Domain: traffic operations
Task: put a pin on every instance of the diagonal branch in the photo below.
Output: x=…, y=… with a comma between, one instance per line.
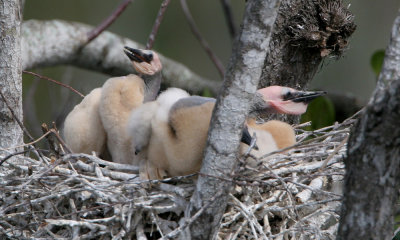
x=107, y=22
x=54, y=81
x=157, y=23
x=240, y=84
x=105, y=54
x=218, y=64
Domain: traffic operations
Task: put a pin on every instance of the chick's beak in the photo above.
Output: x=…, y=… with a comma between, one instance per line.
x=302, y=96
x=246, y=137
x=137, y=55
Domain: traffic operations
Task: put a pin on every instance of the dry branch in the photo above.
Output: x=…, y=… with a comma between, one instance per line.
x=63, y=42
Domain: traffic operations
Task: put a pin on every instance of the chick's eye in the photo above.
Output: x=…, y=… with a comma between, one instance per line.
x=287, y=95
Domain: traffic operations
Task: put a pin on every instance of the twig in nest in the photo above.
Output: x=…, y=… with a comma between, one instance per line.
x=157, y=24
x=11, y=155
x=342, y=143
x=51, y=138
x=27, y=144
x=107, y=22
x=54, y=81
x=218, y=64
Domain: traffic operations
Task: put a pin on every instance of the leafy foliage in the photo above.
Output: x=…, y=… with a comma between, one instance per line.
x=320, y=112
x=377, y=61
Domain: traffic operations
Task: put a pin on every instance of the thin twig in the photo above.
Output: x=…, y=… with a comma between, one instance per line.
x=54, y=148
x=11, y=155
x=108, y=21
x=218, y=64
x=342, y=143
x=26, y=144
x=38, y=153
x=54, y=81
x=15, y=116
x=157, y=23
x=60, y=140
x=226, y=6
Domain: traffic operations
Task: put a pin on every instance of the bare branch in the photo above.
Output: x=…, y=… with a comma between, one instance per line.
x=54, y=81
x=105, y=54
x=157, y=23
x=107, y=22
x=240, y=84
x=226, y=6
x=218, y=64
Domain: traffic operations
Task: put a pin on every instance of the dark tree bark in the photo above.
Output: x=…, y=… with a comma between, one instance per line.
x=305, y=32
x=373, y=161
x=10, y=73
x=240, y=84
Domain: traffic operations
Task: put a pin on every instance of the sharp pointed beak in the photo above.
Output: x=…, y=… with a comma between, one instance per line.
x=246, y=138
x=137, y=55
x=302, y=96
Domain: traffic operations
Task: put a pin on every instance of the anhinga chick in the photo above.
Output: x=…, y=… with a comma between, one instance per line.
x=100, y=118
x=121, y=95
x=172, y=131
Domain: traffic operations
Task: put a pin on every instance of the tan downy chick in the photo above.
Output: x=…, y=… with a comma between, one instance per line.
x=121, y=95
x=83, y=128
x=83, y=131
x=176, y=144
x=147, y=126
x=282, y=133
x=271, y=136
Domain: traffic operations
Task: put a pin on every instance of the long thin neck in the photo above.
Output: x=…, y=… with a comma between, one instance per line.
x=153, y=83
x=259, y=108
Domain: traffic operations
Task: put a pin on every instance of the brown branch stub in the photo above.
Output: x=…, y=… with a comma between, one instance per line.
x=218, y=64
x=157, y=23
x=107, y=22
x=51, y=139
x=54, y=81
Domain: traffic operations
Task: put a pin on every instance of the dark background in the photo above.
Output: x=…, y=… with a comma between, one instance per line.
x=45, y=102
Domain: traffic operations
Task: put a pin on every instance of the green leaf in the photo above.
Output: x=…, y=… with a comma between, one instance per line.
x=320, y=112
x=377, y=61
x=397, y=237
x=207, y=93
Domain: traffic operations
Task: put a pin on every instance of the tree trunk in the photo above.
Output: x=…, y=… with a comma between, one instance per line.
x=373, y=158
x=305, y=32
x=240, y=84
x=10, y=73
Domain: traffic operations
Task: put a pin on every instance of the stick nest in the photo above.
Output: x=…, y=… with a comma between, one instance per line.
x=292, y=194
